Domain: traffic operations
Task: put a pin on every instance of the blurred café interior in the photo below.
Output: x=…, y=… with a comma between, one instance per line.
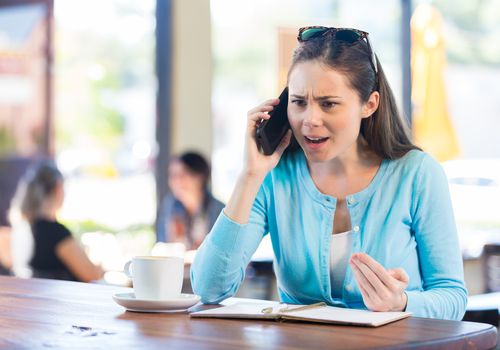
x=111, y=90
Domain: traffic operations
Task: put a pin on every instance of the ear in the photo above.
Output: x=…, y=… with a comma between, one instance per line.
x=371, y=105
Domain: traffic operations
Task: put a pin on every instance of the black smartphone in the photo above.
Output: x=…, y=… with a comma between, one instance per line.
x=271, y=131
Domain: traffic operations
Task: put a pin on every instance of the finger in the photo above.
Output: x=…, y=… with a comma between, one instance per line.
x=258, y=116
x=255, y=120
x=399, y=274
x=364, y=283
x=379, y=287
x=265, y=106
x=375, y=266
x=364, y=294
x=285, y=142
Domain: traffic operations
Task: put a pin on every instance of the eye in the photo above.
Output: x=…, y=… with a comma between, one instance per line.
x=298, y=102
x=328, y=104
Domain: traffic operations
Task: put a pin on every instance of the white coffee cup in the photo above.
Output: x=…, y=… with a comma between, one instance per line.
x=156, y=277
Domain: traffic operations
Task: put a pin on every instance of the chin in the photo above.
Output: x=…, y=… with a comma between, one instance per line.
x=317, y=158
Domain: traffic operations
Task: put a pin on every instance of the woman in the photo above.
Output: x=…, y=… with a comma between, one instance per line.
x=56, y=254
x=357, y=214
x=189, y=211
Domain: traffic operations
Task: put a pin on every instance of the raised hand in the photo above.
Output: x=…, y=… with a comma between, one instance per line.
x=255, y=163
x=382, y=290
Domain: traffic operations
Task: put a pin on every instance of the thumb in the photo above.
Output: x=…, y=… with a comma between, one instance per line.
x=285, y=141
x=399, y=274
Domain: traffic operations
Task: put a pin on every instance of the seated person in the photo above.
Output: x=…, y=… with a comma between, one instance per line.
x=56, y=254
x=11, y=169
x=358, y=215
x=189, y=211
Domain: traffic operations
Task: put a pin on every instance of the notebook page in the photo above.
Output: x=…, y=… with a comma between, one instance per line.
x=331, y=314
x=241, y=310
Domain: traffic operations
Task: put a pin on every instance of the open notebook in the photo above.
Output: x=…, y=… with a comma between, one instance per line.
x=310, y=313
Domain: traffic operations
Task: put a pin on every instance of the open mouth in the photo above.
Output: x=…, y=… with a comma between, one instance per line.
x=315, y=140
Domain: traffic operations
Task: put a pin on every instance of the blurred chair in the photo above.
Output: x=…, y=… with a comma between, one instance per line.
x=260, y=280
x=261, y=274
x=486, y=307
x=491, y=267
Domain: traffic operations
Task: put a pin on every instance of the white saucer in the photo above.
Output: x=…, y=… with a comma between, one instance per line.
x=131, y=303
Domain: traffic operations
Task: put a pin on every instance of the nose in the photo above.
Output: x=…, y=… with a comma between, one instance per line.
x=312, y=118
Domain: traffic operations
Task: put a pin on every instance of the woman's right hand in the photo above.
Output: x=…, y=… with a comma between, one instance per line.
x=255, y=163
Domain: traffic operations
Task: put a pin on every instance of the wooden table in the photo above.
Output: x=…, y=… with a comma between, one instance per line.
x=46, y=314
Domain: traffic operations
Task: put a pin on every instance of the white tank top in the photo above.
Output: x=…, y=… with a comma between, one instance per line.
x=340, y=252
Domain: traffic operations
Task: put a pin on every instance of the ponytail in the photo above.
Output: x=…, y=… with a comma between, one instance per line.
x=35, y=187
x=386, y=132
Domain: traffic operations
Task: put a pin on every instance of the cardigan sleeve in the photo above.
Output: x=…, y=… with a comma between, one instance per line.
x=444, y=294
x=220, y=263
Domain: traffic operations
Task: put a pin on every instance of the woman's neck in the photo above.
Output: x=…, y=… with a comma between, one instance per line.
x=358, y=156
x=48, y=212
x=348, y=173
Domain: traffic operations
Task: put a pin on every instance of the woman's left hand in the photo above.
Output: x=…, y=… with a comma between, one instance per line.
x=382, y=290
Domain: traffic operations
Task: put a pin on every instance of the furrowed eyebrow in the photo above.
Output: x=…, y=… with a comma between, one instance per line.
x=316, y=98
x=326, y=97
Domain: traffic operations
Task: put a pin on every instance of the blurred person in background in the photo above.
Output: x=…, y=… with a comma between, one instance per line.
x=189, y=211
x=12, y=167
x=55, y=253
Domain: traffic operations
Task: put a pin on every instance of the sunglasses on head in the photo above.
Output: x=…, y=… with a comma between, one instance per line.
x=346, y=35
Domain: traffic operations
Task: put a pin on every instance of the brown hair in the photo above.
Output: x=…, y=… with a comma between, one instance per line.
x=196, y=164
x=38, y=183
x=385, y=131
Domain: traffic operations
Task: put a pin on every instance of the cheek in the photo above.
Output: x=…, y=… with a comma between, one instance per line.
x=295, y=122
x=296, y=117
x=334, y=123
x=61, y=197
x=176, y=184
x=347, y=120
x=171, y=182
x=338, y=124
x=192, y=183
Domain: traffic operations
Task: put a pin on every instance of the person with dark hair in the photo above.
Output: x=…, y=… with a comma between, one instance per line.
x=358, y=215
x=56, y=254
x=189, y=211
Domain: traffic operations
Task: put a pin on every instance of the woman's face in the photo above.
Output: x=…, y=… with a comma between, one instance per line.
x=182, y=183
x=325, y=113
x=58, y=195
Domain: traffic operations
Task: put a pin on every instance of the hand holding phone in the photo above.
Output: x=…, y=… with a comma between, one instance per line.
x=271, y=131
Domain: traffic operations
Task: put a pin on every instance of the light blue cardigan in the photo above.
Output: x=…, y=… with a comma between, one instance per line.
x=404, y=218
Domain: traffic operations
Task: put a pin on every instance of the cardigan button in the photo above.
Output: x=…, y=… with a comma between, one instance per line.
x=356, y=228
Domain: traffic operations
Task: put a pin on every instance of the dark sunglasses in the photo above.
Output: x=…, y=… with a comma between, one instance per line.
x=347, y=35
